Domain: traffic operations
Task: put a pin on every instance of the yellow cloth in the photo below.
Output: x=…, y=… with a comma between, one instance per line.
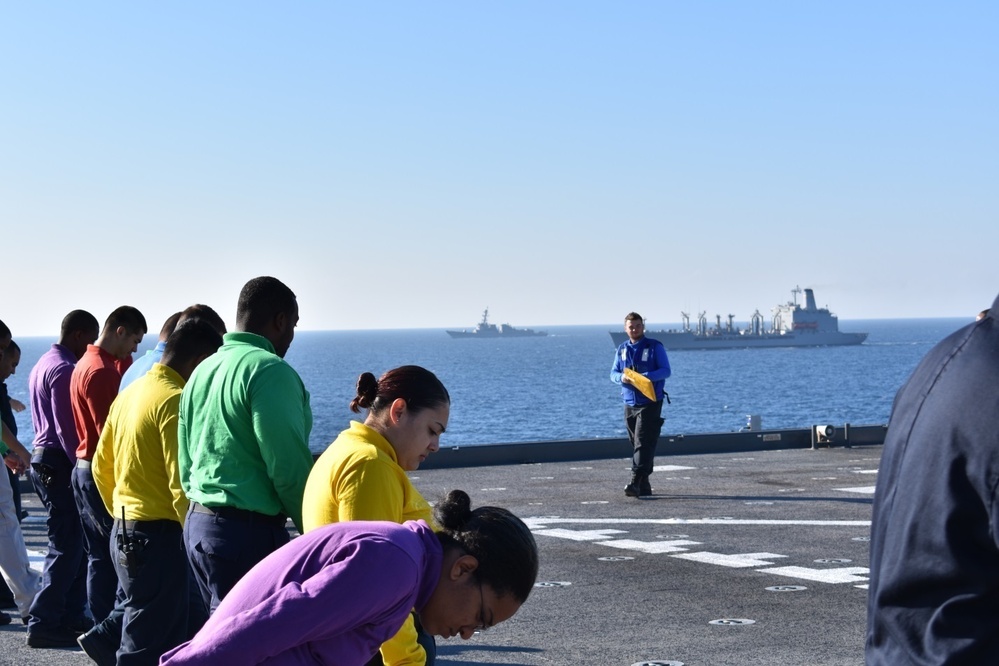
x=135, y=462
x=358, y=477
x=641, y=382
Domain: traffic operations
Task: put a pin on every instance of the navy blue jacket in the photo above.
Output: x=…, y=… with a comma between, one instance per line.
x=646, y=357
x=933, y=596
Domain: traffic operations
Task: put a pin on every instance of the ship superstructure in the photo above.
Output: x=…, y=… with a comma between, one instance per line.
x=790, y=325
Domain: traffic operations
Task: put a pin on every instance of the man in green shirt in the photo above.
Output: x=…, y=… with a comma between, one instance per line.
x=243, y=442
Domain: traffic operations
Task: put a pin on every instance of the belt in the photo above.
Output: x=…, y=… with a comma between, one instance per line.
x=242, y=515
x=82, y=463
x=132, y=524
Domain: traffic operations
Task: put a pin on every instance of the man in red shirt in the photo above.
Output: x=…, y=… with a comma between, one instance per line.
x=93, y=388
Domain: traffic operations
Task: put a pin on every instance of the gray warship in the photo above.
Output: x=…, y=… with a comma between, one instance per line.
x=486, y=330
x=791, y=325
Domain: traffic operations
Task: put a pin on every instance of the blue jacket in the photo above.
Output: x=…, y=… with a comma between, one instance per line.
x=934, y=552
x=646, y=357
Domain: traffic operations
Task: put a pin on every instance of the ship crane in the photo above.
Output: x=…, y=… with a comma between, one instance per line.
x=686, y=321
x=730, y=318
x=702, y=323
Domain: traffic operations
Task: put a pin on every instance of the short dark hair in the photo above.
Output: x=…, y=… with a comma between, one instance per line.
x=126, y=316
x=79, y=320
x=12, y=347
x=191, y=339
x=4, y=331
x=499, y=540
x=419, y=387
x=634, y=315
x=202, y=311
x=262, y=299
x=169, y=325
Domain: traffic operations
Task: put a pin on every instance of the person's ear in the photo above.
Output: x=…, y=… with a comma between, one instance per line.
x=396, y=410
x=280, y=321
x=463, y=566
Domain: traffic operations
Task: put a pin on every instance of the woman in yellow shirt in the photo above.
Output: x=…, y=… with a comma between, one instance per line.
x=362, y=474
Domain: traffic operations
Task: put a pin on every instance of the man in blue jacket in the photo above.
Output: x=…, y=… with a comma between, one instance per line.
x=933, y=598
x=642, y=413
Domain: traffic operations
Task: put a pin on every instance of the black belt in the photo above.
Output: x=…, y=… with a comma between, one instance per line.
x=242, y=515
x=132, y=524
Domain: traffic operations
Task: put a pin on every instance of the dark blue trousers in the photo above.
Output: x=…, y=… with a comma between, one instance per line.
x=62, y=599
x=148, y=596
x=154, y=577
x=103, y=592
x=644, y=423
x=221, y=548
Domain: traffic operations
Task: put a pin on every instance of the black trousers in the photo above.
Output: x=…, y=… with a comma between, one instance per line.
x=644, y=422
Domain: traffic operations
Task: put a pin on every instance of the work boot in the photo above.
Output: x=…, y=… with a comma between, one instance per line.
x=632, y=489
x=644, y=487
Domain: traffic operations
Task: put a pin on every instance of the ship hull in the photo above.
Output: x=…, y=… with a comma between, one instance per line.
x=493, y=336
x=689, y=340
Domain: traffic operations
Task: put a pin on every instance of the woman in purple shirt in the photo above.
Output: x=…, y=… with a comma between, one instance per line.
x=335, y=594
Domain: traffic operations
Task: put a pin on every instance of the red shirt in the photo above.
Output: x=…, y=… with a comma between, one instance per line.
x=92, y=389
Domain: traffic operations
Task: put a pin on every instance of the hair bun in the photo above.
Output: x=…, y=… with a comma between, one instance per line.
x=454, y=510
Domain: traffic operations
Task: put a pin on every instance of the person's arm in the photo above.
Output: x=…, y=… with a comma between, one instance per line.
x=103, y=466
x=282, y=419
x=16, y=457
x=662, y=370
x=17, y=405
x=101, y=391
x=617, y=368
x=168, y=436
x=62, y=411
x=366, y=583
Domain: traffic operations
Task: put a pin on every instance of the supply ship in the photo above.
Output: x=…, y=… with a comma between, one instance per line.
x=486, y=330
x=791, y=325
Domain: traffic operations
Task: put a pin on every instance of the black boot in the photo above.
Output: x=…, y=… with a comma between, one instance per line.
x=644, y=487
x=633, y=489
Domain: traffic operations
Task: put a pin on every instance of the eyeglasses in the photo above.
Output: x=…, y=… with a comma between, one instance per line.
x=482, y=627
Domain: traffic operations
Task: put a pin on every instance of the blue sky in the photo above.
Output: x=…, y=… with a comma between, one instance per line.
x=404, y=165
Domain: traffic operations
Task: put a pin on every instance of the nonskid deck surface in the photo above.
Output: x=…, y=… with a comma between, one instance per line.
x=755, y=558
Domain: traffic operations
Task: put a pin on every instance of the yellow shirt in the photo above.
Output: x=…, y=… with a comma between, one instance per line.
x=358, y=477
x=135, y=464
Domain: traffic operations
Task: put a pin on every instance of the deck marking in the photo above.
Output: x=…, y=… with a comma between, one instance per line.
x=578, y=535
x=36, y=558
x=736, y=560
x=670, y=468
x=542, y=521
x=651, y=547
x=833, y=576
x=864, y=490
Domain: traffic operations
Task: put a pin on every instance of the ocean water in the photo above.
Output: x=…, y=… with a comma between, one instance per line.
x=558, y=387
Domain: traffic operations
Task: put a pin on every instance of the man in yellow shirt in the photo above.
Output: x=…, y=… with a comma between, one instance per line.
x=135, y=469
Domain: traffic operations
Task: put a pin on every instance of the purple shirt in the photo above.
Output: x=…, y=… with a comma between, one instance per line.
x=331, y=596
x=51, y=412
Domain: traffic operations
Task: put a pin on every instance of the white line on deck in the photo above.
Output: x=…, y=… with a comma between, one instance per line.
x=541, y=522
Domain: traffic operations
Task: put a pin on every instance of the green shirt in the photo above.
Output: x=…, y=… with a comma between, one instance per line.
x=243, y=435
